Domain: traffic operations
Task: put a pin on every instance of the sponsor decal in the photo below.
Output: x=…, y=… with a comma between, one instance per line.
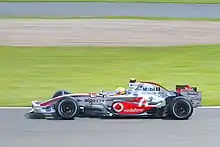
x=133, y=110
x=93, y=100
x=151, y=88
x=118, y=107
x=143, y=102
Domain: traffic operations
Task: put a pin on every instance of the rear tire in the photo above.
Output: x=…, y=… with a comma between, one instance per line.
x=180, y=108
x=67, y=108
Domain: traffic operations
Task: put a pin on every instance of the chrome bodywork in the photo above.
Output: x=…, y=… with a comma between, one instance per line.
x=101, y=102
x=161, y=92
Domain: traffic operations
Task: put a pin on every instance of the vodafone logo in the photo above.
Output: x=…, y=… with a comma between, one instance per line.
x=118, y=107
x=133, y=110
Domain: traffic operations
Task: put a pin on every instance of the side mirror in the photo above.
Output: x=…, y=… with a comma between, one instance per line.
x=102, y=91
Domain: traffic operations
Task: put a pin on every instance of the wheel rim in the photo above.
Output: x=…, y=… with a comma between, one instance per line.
x=182, y=109
x=67, y=109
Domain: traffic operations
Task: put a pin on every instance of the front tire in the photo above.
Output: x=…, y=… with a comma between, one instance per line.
x=180, y=108
x=67, y=108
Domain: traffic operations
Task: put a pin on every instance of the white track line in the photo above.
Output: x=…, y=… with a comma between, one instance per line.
x=205, y=107
x=15, y=107
x=210, y=107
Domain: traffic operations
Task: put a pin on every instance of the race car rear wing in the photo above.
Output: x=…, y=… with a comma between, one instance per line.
x=180, y=87
x=192, y=93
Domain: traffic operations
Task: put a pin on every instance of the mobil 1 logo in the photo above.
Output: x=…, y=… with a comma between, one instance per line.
x=151, y=88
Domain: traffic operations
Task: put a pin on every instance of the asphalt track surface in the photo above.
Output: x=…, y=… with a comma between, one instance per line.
x=201, y=130
x=60, y=9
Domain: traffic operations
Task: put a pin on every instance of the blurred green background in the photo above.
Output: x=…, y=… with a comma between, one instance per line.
x=34, y=73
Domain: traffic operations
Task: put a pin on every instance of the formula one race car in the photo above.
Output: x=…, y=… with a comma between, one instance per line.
x=141, y=99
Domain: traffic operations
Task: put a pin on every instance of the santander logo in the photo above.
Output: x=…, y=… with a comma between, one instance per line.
x=118, y=107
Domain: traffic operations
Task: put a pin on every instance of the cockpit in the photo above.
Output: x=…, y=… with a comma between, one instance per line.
x=145, y=87
x=136, y=87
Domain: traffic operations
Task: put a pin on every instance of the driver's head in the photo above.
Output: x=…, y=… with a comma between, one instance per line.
x=120, y=91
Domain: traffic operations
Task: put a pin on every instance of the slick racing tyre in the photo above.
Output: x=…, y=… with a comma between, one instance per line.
x=67, y=108
x=180, y=108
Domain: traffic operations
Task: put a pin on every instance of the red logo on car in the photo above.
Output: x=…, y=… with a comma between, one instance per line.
x=118, y=107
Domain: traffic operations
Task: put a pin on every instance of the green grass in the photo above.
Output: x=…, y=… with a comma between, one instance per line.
x=32, y=73
x=115, y=17
x=122, y=1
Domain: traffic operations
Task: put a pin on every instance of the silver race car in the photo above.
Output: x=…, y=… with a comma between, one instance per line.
x=140, y=99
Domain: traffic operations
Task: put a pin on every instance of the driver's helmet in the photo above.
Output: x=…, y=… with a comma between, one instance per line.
x=120, y=91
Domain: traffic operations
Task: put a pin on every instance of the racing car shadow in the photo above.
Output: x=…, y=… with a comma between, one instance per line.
x=99, y=117
x=128, y=117
x=105, y=118
x=115, y=117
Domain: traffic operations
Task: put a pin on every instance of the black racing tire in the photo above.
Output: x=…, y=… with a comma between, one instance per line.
x=180, y=108
x=67, y=108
